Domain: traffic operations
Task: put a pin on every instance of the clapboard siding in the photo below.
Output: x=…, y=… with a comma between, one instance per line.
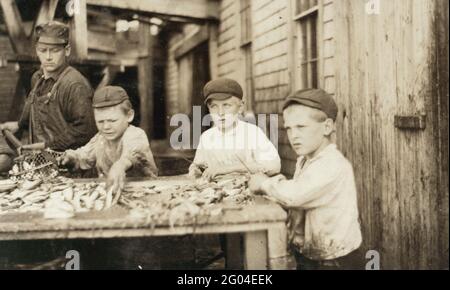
x=271, y=65
x=376, y=67
x=228, y=39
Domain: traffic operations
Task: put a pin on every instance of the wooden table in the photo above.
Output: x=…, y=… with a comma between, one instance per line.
x=261, y=224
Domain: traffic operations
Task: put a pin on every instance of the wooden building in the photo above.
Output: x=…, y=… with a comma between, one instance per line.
x=384, y=61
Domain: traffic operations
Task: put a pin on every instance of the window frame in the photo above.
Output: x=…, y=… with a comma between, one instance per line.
x=296, y=47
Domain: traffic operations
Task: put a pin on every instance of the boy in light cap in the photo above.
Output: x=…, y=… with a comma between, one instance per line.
x=231, y=145
x=118, y=149
x=321, y=198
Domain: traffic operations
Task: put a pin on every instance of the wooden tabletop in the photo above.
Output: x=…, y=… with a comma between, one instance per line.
x=116, y=221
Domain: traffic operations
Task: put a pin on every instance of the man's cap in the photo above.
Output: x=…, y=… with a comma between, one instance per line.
x=221, y=89
x=314, y=98
x=53, y=32
x=109, y=96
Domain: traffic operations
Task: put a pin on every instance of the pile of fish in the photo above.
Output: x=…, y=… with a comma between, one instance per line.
x=61, y=198
x=179, y=204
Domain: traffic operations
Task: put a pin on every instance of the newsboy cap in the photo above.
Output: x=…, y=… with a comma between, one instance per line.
x=314, y=98
x=53, y=32
x=109, y=96
x=221, y=89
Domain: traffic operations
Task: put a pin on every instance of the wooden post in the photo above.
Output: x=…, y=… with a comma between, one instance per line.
x=46, y=12
x=233, y=251
x=79, y=31
x=213, y=30
x=109, y=73
x=255, y=250
x=15, y=28
x=278, y=256
x=145, y=78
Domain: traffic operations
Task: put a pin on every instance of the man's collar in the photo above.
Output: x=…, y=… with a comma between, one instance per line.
x=55, y=75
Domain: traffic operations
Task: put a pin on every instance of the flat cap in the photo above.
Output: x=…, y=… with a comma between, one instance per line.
x=109, y=96
x=221, y=89
x=53, y=32
x=314, y=98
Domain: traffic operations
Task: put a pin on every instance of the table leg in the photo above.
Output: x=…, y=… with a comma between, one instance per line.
x=255, y=250
x=278, y=256
x=233, y=251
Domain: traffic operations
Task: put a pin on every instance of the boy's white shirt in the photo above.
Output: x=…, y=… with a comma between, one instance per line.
x=322, y=203
x=245, y=142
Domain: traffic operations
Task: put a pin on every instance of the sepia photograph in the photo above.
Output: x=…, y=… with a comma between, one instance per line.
x=224, y=135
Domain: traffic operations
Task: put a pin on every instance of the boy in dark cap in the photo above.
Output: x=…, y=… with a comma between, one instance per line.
x=119, y=148
x=231, y=145
x=58, y=110
x=321, y=198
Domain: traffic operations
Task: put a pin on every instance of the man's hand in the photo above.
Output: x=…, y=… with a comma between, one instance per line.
x=255, y=182
x=10, y=126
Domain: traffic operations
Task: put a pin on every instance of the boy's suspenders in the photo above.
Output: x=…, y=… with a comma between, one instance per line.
x=52, y=95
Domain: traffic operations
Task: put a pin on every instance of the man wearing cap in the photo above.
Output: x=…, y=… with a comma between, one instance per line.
x=118, y=149
x=58, y=110
x=321, y=198
x=231, y=145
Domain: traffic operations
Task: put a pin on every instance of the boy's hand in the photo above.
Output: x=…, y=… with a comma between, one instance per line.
x=255, y=182
x=67, y=159
x=196, y=171
x=211, y=172
x=115, y=181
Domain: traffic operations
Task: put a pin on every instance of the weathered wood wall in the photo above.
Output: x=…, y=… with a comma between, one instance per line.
x=8, y=80
x=384, y=67
x=376, y=66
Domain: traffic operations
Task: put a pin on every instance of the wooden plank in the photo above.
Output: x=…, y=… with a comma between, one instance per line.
x=15, y=27
x=145, y=79
x=234, y=258
x=442, y=107
x=213, y=49
x=79, y=30
x=198, y=9
x=135, y=231
x=277, y=247
x=190, y=43
x=255, y=250
x=46, y=12
x=102, y=41
x=109, y=73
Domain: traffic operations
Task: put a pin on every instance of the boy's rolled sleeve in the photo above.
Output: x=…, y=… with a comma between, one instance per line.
x=84, y=157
